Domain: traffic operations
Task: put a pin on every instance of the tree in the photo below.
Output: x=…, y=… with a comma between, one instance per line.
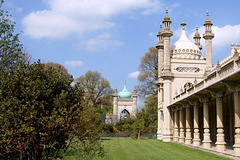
x=138, y=127
x=10, y=46
x=62, y=69
x=41, y=113
x=148, y=73
x=97, y=89
x=149, y=114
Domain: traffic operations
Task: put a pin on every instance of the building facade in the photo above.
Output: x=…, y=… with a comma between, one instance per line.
x=124, y=102
x=198, y=103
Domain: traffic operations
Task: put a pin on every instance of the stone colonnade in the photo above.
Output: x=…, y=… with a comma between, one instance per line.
x=200, y=128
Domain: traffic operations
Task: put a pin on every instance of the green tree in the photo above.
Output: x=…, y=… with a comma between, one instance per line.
x=97, y=89
x=62, y=69
x=149, y=114
x=40, y=113
x=138, y=127
x=10, y=46
x=148, y=73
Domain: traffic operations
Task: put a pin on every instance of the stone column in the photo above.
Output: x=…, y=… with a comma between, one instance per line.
x=235, y=88
x=206, y=135
x=237, y=122
x=220, y=143
x=176, y=134
x=115, y=106
x=160, y=111
x=188, y=139
x=181, y=137
x=167, y=125
x=196, y=135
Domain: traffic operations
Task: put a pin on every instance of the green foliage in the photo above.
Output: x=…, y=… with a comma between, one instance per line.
x=148, y=73
x=87, y=143
x=10, y=46
x=138, y=127
x=40, y=111
x=62, y=69
x=126, y=124
x=149, y=114
x=97, y=90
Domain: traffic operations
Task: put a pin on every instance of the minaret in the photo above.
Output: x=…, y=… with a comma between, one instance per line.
x=134, y=97
x=115, y=106
x=167, y=83
x=167, y=33
x=208, y=36
x=160, y=48
x=197, y=39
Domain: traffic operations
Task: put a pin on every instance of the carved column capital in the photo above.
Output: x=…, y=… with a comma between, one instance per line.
x=193, y=101
x=185, y=104
x=218, y=93
x=174, y=108
x=233, y=86
x=204, y=98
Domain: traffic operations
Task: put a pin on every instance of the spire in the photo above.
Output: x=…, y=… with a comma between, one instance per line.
x=167, y=18
x=183, y=24
x=208, y=20
x=208, y=36
x=197, y=38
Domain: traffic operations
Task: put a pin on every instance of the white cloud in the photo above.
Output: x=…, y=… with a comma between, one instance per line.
x=66, y=17
x=101, y=41
x=133, y=74
x=74, y=64
x=223, y=36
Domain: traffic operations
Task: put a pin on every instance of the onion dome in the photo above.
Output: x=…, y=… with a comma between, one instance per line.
x=125, y=93
x=208, y=20
x=184, y=48
x=166, y=18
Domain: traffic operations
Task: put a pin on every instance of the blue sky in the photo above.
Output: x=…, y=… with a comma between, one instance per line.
x=110, y=36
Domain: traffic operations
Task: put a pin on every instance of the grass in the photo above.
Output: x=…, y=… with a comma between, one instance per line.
x=151, y=149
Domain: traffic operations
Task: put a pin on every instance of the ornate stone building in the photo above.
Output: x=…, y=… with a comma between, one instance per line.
x=124, y=102
x=198, y=103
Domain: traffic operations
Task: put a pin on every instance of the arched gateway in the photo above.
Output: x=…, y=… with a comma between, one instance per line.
x=124, y=102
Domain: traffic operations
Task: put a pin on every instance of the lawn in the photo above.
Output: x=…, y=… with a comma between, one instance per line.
x=149, y=149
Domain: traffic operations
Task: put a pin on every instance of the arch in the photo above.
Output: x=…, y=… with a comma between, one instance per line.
x=124, y=113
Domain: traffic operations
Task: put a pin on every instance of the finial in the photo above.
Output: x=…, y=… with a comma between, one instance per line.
x=196, y=28
x=166, y=11
x=183, y=24
x=125, y=83
x=207, y=14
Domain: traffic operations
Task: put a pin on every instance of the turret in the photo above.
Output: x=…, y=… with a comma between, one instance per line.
x=167, y=33
x=115, y=106
x=134, y=97
x=197, y=39
x=208, y=36
x=160, y=47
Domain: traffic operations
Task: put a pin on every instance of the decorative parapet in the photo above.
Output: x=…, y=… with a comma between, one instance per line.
x=219, y=72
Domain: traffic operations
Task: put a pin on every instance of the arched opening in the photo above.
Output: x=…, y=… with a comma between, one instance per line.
x=124, y=114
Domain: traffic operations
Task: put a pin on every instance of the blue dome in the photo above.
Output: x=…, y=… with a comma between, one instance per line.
x=125, y=93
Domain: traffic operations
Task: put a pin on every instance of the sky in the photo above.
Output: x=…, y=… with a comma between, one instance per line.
x=111, y=36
